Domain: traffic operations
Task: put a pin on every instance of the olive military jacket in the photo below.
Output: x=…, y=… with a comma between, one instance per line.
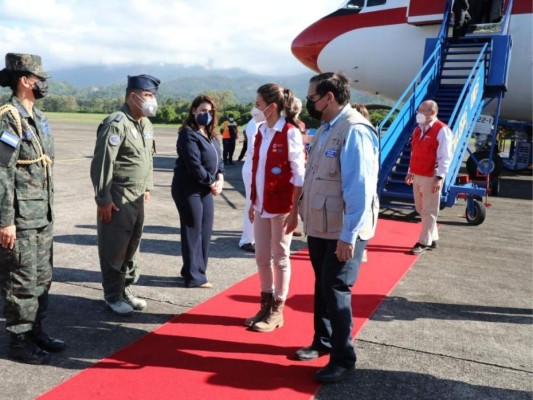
x=122, y=167
x=26, y=187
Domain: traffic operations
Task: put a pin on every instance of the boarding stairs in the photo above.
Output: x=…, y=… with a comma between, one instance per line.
x=462, y=75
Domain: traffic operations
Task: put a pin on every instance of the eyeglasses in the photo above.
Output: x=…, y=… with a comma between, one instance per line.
x=310, y=98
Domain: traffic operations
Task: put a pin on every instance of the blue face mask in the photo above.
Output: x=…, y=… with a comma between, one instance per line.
x=204, y=118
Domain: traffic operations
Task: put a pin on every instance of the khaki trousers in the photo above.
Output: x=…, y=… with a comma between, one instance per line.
x=272, y=251
x=427, y=205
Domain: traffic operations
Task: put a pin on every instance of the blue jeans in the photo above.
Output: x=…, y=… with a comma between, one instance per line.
x=334, y=280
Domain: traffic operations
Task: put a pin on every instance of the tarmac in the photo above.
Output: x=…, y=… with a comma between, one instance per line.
x=458, y=326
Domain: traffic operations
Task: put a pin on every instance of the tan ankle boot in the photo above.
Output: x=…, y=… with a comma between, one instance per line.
x=266, y=304
x=273, y=320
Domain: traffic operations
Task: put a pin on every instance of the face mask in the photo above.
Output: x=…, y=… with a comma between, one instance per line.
x=148, y=107
x=39, y=89
x=312, y=111
x=420, y=118
x=258, y=115
x=204, y=118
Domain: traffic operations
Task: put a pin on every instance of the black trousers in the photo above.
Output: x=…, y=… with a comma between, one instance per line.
x=196, y=212
x=228, y=148
x=333, y=320
x=243, y=150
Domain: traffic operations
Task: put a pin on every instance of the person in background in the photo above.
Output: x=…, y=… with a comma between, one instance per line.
x=461, y=18
x=198, y=176
x=247, y=241
x=122, y=177
x=361, y=108
x=230, y=134
x=301, y=124
x=431, y=144
x=277, y=178
x=339, y=210
x=26, y=210
x=244, y=141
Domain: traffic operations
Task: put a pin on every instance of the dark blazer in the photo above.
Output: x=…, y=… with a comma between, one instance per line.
x=199, y=160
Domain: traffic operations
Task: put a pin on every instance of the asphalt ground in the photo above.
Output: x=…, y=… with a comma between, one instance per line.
x=458, y=326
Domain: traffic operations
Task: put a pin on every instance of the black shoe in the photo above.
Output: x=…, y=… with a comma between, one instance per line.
x=434, y=245
x=48, y=343
x=332, y=373
x=310, y=353
x=249, y=247
x=23, y=349
x=419, y=248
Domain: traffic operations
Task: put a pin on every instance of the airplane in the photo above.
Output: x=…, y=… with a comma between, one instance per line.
x=379, y=44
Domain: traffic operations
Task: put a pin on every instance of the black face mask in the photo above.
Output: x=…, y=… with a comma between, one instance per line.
x=40, y=89
x=311, y=109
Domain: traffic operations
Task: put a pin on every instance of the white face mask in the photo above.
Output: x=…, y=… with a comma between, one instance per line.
x=258, y=115
x=148, y=107
x=420, y=118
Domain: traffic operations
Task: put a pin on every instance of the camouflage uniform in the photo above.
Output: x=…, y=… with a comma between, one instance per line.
x=26, y=200
x=121, y=172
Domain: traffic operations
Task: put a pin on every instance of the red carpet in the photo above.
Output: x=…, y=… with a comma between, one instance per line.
x=207, y=353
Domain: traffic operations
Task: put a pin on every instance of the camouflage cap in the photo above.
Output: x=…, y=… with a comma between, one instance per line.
x=26, y=63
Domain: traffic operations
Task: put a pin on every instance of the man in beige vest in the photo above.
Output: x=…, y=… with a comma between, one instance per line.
x=339, y=209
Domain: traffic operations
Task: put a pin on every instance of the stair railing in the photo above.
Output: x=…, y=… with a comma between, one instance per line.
x=406, y=106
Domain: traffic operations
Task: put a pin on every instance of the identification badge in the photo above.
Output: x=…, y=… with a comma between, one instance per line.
x=114, y=140
x=331, y=153
x=276, y=170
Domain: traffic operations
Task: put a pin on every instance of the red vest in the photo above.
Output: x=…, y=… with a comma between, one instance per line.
x=424, y=150
x=278, y=192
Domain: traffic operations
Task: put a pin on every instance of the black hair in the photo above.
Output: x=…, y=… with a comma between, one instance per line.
x=334, y=82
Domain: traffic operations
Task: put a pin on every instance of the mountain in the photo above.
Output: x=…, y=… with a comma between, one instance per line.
x=178, y=81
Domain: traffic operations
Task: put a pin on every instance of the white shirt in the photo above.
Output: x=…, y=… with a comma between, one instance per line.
x=249, y=130
x=296, y=158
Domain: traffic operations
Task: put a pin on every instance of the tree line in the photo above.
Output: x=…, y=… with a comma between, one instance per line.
x=170, y=111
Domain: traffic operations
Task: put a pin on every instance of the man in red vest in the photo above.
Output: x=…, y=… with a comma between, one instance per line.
x=431, y=154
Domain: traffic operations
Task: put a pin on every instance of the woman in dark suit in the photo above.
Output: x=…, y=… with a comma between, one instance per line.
x=198, y=176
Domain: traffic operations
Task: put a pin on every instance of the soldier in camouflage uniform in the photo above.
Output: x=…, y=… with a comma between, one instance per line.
x=26, y=215
x=122, y=176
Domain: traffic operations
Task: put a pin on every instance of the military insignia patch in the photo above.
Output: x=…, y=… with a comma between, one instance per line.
x=10, y=139
x=114, y=140
x=148, y=135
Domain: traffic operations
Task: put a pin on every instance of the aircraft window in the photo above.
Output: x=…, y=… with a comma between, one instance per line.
x=371, y=3
x=355, y=4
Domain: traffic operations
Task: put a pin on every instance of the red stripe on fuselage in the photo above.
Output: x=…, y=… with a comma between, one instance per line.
x=307, y=46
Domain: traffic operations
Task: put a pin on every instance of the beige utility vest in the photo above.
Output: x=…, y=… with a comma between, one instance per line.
x=322, y=205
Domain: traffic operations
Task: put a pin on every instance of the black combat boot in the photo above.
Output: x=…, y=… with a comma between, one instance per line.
x=44, y=341
x=23, y=348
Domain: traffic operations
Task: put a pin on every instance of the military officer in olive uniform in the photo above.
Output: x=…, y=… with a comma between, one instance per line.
x=26, y=215
x=122, y=176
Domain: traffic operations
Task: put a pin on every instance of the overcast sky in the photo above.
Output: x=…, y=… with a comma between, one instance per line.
x=254, y=35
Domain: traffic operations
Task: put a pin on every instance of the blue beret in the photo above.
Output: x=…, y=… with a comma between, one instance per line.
x=144, y=82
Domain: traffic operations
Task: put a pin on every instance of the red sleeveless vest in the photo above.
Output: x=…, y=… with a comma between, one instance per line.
x=278, y=192
x=424, y=150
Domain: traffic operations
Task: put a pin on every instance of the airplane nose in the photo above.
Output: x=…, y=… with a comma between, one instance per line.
x=306, y=47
